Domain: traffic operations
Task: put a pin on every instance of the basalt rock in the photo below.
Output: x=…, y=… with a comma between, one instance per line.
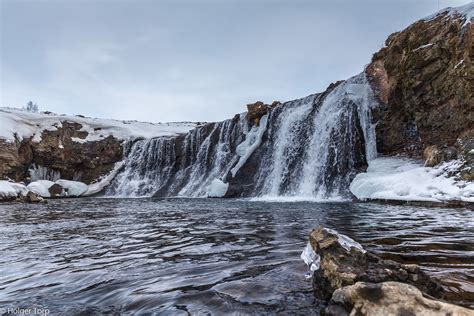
x=340, y=267
x=423, y=79
x=388, y=298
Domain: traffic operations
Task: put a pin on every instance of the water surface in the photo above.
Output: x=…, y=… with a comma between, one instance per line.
x=180, y=256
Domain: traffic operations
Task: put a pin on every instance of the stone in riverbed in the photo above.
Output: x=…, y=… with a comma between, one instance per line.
x=32, y=197
x=55, y=190
x=341, y=266
x=388, y=298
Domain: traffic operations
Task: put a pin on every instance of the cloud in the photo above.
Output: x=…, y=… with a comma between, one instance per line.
x=172, y=61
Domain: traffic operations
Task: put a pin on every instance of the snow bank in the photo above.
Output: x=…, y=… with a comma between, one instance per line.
x=253, y=139
x=41, y=187
x=217, y=188
x=408, y=180
x=466, y=12
x=72, y=188
x=26, y=124
x=11, y=189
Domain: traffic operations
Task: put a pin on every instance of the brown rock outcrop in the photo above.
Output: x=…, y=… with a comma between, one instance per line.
x=256, y=110
x=340, y=267
x=423, y=78
x=58, y=152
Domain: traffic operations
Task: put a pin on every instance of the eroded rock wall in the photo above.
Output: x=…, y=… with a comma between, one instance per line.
x=424, y=79
x=60, y=151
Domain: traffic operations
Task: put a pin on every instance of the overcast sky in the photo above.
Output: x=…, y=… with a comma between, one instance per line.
x=187, y=60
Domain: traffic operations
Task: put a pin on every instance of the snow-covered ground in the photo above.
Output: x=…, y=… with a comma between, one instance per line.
x=408, y=180
x=26, y=124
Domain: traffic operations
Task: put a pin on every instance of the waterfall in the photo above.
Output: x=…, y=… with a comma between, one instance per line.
x=180, y=166
x=319, y=143
x=310, y=147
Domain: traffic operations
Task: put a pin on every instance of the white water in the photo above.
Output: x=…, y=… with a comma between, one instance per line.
x=329, y=145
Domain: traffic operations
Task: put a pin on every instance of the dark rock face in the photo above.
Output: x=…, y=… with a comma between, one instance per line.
x=57, y=152
x=55, y=190
x=423, y=78
x=340, y=267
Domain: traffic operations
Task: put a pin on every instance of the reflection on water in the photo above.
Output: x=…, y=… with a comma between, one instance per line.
x=206, y=255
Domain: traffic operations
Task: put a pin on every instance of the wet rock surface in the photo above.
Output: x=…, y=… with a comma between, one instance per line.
x=388, y=298
x=340, y=267
x=356, y=282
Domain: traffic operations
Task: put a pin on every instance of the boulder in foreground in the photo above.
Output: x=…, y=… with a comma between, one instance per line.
x=388, y=298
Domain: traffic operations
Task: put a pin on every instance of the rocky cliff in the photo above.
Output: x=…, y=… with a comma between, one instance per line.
x=58, y=156
x=423, y=79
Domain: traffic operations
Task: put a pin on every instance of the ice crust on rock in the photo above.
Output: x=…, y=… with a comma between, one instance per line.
x=345, y=241
x=311, y=259
x=217, y=188
x=253, y=139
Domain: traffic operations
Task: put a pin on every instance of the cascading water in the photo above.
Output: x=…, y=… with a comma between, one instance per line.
x=318, y=143
x=309, y=148
x=180, y=166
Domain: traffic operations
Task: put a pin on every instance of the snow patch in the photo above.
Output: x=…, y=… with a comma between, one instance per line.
x=408, y=180
x=423, y=46
x=465, y=12
x=253, y=139
x=217, y=188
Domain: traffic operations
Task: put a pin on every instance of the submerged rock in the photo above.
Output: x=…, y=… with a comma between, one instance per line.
x=388, y=298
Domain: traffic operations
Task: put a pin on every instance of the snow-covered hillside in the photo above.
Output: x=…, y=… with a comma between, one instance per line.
x=26, y=124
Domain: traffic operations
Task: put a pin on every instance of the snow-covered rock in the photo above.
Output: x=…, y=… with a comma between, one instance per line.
x=11, y=190
x=41, y=187
x=408, y=180
x=27, y=124
x=72, y=188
